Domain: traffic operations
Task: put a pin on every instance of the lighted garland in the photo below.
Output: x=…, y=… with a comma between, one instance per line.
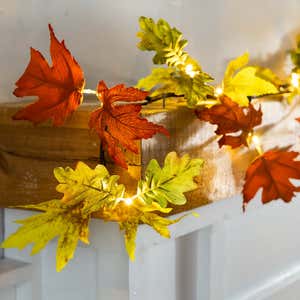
x=118, y=123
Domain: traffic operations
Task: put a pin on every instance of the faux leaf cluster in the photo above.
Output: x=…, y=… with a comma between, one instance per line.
x=88, y=191
x=184, y=75
x=60, y=91
x=85, y=191
x=272, y=172
x=231, y=118
x=241, y=81
x=119, y=126
x=58, y=87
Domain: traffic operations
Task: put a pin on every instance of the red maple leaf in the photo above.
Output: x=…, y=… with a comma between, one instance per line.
x=271, y=172
x=59, y=88
x=119, y=126
x=230, y=118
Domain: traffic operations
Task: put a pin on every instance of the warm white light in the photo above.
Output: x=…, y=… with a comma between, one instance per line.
x=189, y=70
x=128, y=201
x=295, y=80
x=255, y=139
x=218, y=91
x=89, y=91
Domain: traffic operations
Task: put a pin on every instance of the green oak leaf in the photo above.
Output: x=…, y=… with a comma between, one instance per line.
x=169, y=183
x=167, y=42
x=171, y=80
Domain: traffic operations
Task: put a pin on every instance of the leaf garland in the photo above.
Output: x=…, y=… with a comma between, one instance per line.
x=88, y=191
x=184, y=75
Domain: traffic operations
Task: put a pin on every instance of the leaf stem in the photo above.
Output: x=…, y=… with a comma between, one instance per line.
x=150, y=99
x=102, y=159
x=284, y=89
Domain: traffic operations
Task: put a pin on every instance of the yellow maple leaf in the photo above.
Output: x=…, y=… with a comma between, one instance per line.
x=241, y=81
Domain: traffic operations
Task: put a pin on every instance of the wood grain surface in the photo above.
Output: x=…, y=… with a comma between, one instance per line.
x=29, y=153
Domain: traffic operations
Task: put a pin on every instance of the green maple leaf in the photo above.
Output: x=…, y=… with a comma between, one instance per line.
x=241, y=81
x=85, y=191
x=169, y=183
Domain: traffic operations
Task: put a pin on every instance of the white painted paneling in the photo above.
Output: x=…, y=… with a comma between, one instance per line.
x=153, y=274
x=259, y=245
x=222, y=255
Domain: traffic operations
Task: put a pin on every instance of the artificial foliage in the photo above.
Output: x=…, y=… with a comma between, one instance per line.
x=117, y=121
x=119, y=126
x=87, y=191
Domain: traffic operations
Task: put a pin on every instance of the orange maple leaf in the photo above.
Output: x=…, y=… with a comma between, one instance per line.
x=119, y=125
x=230, y=118
x=59, y=88
x=272, y=171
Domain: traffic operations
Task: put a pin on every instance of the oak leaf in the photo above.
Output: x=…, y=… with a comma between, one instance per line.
x=58, y=87
x=231, y=118
x=85, y=192
x=169, y=183
x=272, y=172
x=120, y=126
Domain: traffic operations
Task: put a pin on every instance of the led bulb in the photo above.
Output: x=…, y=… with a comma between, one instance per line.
x=189, y=70
x=295, y=80
x=255, y=140
x=128, y=201
x=218, y=91
x=89, y=91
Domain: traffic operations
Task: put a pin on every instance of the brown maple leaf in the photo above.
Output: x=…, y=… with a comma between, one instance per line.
x=272, y=172
x=231, y=118
x=59, y=88
x=119, y=125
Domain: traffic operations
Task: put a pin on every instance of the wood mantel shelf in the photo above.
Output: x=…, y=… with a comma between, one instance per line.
x=28, y=153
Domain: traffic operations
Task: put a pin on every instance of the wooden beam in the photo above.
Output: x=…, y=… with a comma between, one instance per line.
x=28, y=153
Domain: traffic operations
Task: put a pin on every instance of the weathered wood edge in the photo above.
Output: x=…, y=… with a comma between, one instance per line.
x=79, y=120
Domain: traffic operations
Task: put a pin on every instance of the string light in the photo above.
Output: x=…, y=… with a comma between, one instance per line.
x=295, y=77
x=218, y=91
x=256, y=141
x=127, y=201
x=189, y=71
x=89, y=91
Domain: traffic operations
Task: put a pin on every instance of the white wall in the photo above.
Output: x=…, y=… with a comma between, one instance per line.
x=101, y=33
